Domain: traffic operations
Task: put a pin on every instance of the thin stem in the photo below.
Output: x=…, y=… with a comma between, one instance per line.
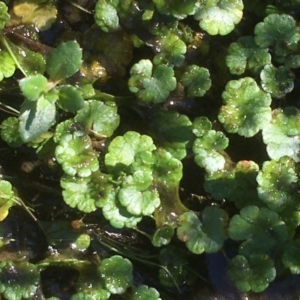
x=80, y=7
x=9, y=109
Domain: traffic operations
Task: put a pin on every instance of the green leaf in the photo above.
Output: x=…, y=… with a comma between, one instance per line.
x=170, y=50
x=4, y=15
x=69, y=98
x=245, y=54
x=143, y=292
x=151, y=86
x=260, y=229
x=36, y=117
x=135, y=195
x=88, y=193
x=174, y=132
x=124, y=150
x=64, y=61
x=7, y=198
x=282, y=134
x=7, y=65
x=278, y=32
x=207, y=235
x=247, y=108
x=76, y=155
x=197, y=81
x=219, y=16
x=116, y=272
x=162, y=236
x=33, y=86
x=277, y=183
x=177, y=8
x=207, y=147
x=10, y=132
x=101, y=117
x=253, y=273
x=18, y=280
x=277, y=81
x=291, y=256
x=106, y=15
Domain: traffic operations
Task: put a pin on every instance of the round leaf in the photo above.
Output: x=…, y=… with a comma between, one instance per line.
x=247, y=107
x=291, y=256
x=116, y=272
x=275, y=184
x=208, y=235
x=76, y=155
x=151, y=86
x=277, y=81
x=170, y=49
x=69, y=98
x=278, y=32
x=282, y=134
x=33, y=86
x=261, y=228
x=196, y=80
x=10, y=132
x=86, y=193
x=219, y=16
x=106, y=15
x=253, y=273
x=101, y=117
x=143, y=292
x=64, y=61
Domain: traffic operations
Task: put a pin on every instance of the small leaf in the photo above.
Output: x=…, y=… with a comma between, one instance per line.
x=36, y=117
x=7, y=65
x=76, y=155
x=291, y=256
x=101, y=117
x=33, y=86
x=253, y=273
x=260, y=229
x=245, y=54
x=196, y=80
x=162, y=236
x=88, y=193
x=219, y=16
x=143, y=292
x=277, y=81
x=7, y=198
x=275, y=184
x=151, y=86
x=246, y=108
x=207, y=235
x=64, y=61
x=170, y=50
x=4, y=15
x=10, y=132
x=177, y=8
x=282, y=134
x=116, y=272
x=69, y=98
x=106, y=15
